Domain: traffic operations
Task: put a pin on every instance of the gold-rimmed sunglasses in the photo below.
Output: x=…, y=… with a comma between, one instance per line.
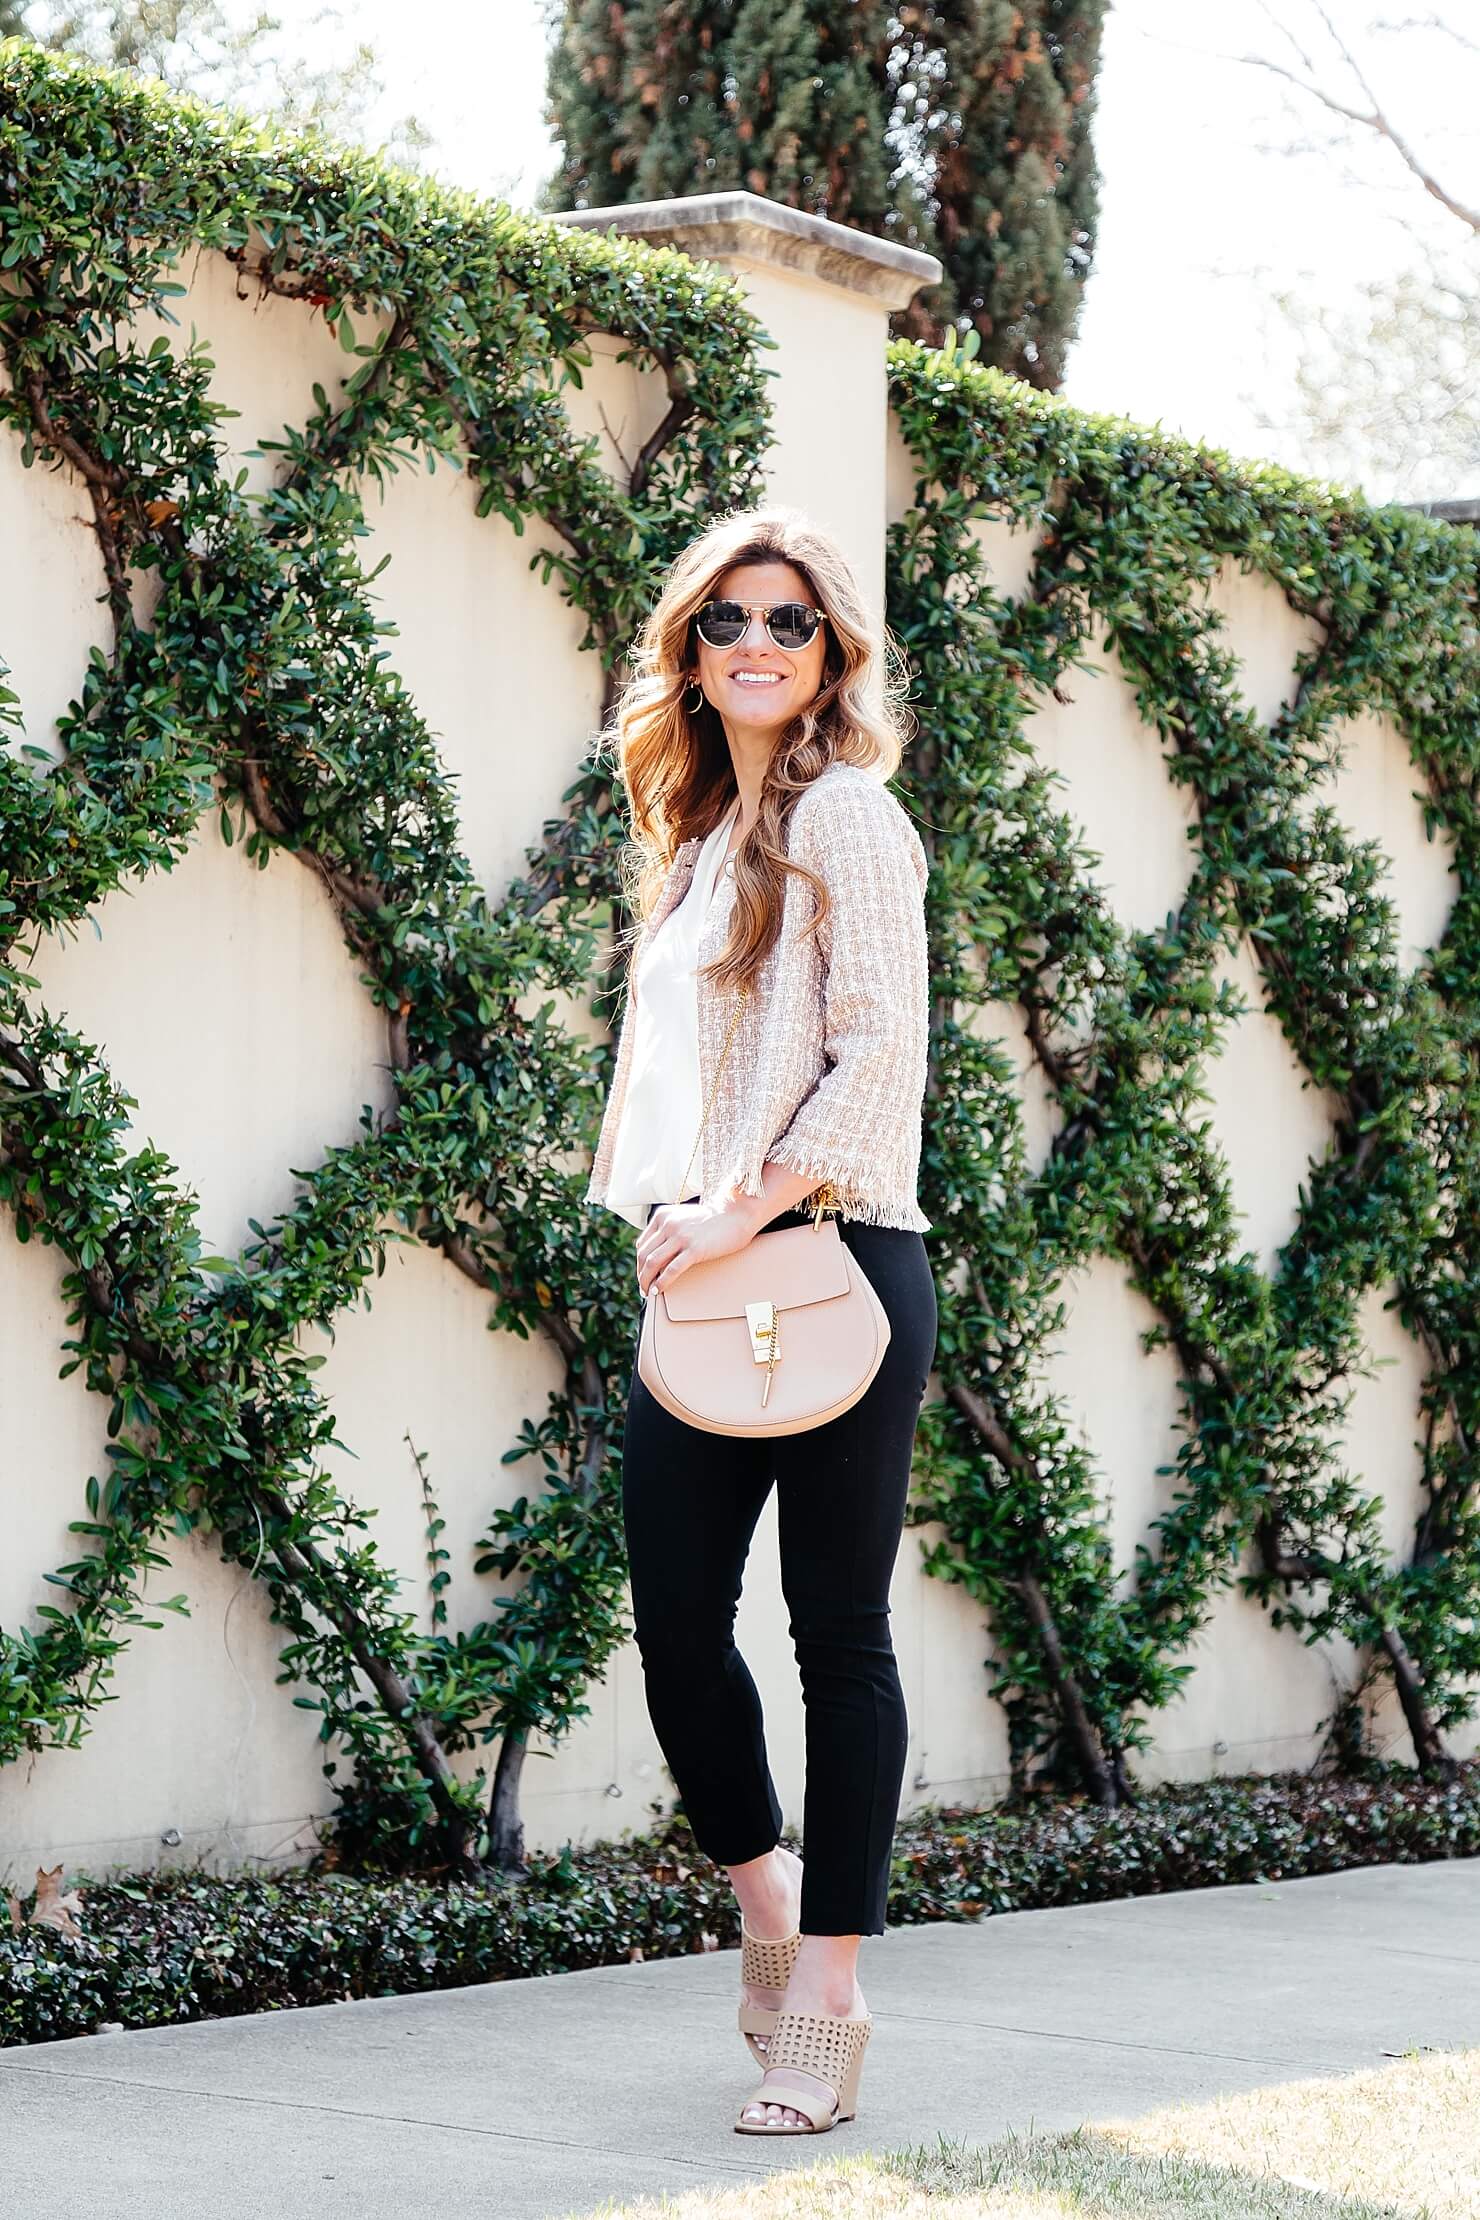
x=790, y=625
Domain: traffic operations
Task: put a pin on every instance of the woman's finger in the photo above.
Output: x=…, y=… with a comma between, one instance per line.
x=676, y=1259
x=650, y=1240
x=662, y=1253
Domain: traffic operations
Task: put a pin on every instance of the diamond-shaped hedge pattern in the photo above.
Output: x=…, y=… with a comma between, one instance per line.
x=1351, y=1074
x=244, y=676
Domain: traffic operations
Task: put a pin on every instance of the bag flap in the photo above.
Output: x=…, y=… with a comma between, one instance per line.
x=792, y=1266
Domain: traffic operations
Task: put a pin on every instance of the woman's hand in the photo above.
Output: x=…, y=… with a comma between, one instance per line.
x=680, y=1234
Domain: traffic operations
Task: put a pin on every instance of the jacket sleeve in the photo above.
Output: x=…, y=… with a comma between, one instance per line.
x=862, y=1114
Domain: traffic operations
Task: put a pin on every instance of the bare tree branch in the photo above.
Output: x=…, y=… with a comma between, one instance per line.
x=1345, y=51
x=1373, y=118
x=1430, y=22
x=1282, y=30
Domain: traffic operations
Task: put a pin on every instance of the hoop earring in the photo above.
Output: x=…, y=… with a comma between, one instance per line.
x=692, y=708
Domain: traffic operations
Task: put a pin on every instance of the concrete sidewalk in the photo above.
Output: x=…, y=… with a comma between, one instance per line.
x=526, y=2100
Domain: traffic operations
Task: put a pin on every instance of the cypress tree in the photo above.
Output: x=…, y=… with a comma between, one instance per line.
x=654, y=99
x=636, y=94
x=811, y=112
x=1012, y=197
x=958, y=126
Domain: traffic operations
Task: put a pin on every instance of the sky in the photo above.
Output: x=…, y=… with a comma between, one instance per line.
x=1204, y=215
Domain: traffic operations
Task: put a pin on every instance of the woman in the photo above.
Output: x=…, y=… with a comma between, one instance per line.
x=754, y=742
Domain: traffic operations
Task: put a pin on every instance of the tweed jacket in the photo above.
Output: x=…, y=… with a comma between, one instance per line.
x=826, y=1071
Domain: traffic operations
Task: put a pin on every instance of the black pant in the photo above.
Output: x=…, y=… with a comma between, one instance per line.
x=690, y=1500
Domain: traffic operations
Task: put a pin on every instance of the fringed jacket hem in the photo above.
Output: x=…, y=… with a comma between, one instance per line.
x=826, y=1071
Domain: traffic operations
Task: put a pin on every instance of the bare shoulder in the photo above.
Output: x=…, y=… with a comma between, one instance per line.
x=846, y=802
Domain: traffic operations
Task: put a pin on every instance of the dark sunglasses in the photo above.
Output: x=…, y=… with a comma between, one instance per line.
x=792, y=625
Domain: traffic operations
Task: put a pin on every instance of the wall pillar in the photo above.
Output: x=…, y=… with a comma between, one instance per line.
x=824, y=293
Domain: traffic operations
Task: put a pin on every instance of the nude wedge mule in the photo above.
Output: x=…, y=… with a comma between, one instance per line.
x=767, y=1964
x=822, y=2043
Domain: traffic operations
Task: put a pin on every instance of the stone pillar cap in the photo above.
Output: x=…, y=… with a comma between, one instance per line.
x=717, y=226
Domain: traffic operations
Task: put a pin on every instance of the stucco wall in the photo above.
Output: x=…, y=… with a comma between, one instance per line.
x=224, y=1000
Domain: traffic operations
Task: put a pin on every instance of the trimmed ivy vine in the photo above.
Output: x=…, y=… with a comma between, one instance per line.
x=259, y=685
x=256, y=689
x=1132, y=527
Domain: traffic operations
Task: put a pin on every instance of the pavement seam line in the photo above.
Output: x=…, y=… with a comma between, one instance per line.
x=390, y=2119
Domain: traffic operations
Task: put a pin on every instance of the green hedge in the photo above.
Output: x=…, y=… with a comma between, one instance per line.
x=1129, y=527
x=179, y=1946
x=261, y=696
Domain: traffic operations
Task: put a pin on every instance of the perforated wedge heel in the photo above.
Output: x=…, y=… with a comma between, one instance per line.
x=765, y=1963
x=823, y=2044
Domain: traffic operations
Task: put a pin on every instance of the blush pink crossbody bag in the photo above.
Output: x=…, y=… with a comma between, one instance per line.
x=781, y=1335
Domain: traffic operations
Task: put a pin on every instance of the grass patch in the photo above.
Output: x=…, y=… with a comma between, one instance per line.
x=1398, y=2142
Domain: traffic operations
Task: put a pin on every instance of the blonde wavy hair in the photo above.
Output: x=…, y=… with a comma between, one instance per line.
x=675, y=763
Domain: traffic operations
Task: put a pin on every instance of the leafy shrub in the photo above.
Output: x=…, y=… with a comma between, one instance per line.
x=166, y=1947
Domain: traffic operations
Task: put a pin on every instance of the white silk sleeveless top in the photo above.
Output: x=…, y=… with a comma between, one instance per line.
x=663, y=1103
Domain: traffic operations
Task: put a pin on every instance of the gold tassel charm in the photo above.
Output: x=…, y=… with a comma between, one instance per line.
x=764, y=1325
x=824, y=1198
